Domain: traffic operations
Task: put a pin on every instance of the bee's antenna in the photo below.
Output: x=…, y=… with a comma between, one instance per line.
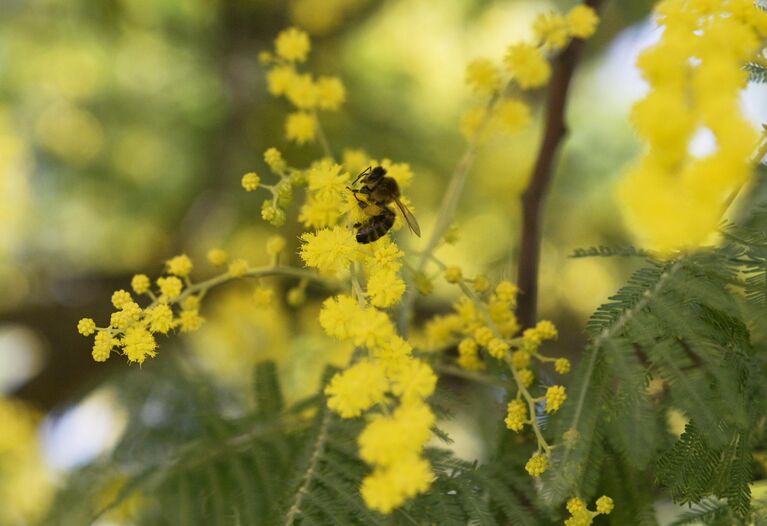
x=365, y=171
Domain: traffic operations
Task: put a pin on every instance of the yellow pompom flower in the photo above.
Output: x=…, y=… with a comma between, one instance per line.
x=520, y=359
x=102, y=346
x=527, y=66
x=190, y=320
x=275, y=244
x=513, y=114
x=140, y=283
x=138, y=344
x=160, y=318
x=605, y=505
x=582, y=21
x=388, y=488
x=498, y=348
x=170, y=287
x=279, y=79
x=371, y=329
x=302, y=92
x=483, y=76
x=273, y=159
x=120, y=298
x=327, y=181
x=238, y=268
x=386, y=439
x=356, y=389
x=481, y=284
x=300, y=127
x=526, y=376
x=337, y=315
x=263, y=296
x=483, y=335
x=217, y=257
x=385, y=288
x=329, y=250
x=537, y=465
x=86, y=326
x=562, y=365
x=179, y=266
x=575, y=505
x=250, y=181
x=331, y=93
x=468, y=355
x=516, y=415
x=414, y=380
x=555, y=397
x=506, y=291
x=552, y=30
x=546, y=330
x=292, y=44
x=453, y=274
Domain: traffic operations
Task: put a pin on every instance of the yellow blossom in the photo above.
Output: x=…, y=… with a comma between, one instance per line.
x=292, y=44
x=319, y=213
x=170, y=287
x=326, y=180
x=296, y=296
x=516, y=416
x=371, y=329
x=273, y=159
x=250, y=181
x=86, y=326
x=138, y=343
x=388, y=488
x=275, y=244
x=262, y=296
x=562, y=365
x=415, y=380
x=441, y=331
x=483, y=335
x=481, y=284
x=302, y=92
x=526, y=377
x=140, y=283
x=520, y=359
x=337, y=315
x=582, y=21
x=279, y=79
x=356, y=160
x=190, y=320
x=300, y=127
x=472, y=121
x=483, y=76
x=102, y=346
x=385, y=288
x=468, y=355
x=180, y=265
x=384, y=255
x=120, y=298
x=506, y=291
x=498, y=348
x=546, y=330
x=555, y=397
x=238, y=268
x=551, y=29
x=330, y=93
x=329, y=250
x=453, y=274
x=160, y=318
x=217, y=257
x=356, y=389
x=513, y=114
x=575, y=504
x=537, y=465
x=605, y=505
x=528, y=66
x=386, y=439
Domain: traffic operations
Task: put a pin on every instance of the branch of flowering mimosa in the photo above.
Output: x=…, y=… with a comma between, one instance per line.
x=534, y=195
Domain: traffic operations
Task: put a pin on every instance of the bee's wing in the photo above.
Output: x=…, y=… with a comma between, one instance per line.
x=409, y=217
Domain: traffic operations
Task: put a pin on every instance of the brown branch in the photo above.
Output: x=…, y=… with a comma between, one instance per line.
x=534, y=195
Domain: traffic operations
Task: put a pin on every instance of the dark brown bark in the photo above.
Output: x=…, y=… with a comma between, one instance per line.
x=534, y=196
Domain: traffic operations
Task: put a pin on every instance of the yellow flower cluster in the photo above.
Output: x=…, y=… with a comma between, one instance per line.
x=580, y=515
x=132, y=328
x=390, y=377
x=526, y=67
x=674, y=197
x=306, y=93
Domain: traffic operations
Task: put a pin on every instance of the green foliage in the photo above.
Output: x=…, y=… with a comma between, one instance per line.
x=756, y=72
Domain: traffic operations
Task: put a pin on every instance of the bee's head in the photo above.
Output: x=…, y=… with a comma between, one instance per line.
x=376, y=173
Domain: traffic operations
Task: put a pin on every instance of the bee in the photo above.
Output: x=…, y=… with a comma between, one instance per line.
x=379, y=190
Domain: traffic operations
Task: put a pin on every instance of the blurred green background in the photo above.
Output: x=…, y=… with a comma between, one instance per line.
x=125, y=126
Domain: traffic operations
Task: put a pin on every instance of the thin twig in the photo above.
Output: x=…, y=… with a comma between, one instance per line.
x=534, y=195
